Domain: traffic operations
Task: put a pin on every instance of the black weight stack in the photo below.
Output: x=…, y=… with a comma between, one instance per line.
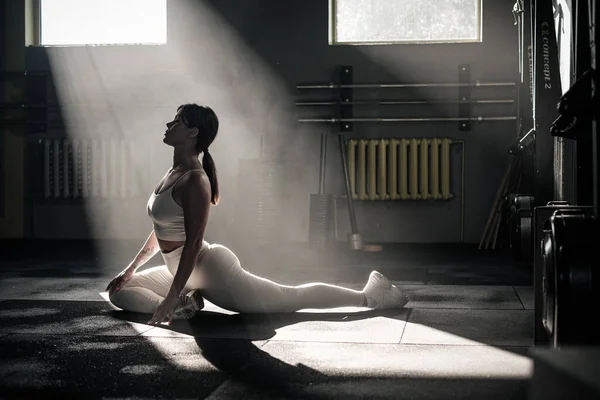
x=259, y=209
x=544, y=293
x=570, y=279
x=321, y=230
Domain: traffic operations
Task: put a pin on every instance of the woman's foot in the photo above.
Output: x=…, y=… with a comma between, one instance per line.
x=380, y=293
x=189, y=304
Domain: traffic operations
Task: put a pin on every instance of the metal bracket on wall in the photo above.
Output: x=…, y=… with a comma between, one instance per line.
x=31, y=110
x=355, y=240
x=464, y=97
x=346, y=98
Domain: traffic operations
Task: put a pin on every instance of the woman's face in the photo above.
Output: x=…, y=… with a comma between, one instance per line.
x=178, y=133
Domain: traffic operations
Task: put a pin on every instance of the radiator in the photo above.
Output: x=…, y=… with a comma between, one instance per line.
x=87, y=168
x=400, y=169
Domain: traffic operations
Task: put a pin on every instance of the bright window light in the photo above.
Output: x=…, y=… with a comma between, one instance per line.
x=404, y=21
x=102, y=22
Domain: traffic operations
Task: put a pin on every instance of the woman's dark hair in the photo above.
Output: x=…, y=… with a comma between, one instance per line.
x=205, y=119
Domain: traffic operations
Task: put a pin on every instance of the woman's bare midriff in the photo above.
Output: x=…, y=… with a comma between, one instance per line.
x=167, y=246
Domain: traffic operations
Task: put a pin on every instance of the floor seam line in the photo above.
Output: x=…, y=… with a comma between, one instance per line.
x=405, y=325
x=519, y=297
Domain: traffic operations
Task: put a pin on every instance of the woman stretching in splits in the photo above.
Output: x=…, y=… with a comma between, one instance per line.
x=195, y=269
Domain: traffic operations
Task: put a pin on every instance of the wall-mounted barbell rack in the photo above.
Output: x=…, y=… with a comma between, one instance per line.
x=344, y=90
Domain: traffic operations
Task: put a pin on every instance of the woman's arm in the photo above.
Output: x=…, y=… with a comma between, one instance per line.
x=148, y=250
x=195, y=200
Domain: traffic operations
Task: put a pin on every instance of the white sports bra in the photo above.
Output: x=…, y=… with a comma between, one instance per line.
x=166, y=215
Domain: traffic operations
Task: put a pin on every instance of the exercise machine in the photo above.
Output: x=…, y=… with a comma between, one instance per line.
x=539, y=73
x=566, y=286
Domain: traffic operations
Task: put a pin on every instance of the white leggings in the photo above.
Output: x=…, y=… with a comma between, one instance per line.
x=223, y=282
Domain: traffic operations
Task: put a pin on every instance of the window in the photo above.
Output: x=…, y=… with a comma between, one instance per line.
x=404, y=21
x=98, y=22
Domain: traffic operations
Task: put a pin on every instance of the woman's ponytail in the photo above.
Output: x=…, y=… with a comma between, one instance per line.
x=209, y=167
x=205, y=119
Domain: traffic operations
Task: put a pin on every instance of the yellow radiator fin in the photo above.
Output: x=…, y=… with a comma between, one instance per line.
x=399, y=169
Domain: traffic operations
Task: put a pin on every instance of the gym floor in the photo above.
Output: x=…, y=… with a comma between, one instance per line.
x=466, y=333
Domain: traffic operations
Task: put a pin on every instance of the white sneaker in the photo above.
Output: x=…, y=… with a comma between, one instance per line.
x=189, y=304
x=380, y=293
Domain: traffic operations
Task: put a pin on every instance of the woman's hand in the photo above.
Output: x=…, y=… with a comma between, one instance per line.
x=119, y=280
x=165, y=310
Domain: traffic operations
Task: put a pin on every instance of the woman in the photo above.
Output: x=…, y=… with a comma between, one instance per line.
x=195, y=269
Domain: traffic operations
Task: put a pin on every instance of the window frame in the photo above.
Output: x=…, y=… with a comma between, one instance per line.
x=333, y=40
x=33, y=29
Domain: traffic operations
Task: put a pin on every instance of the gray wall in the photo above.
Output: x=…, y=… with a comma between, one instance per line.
x=244, y=59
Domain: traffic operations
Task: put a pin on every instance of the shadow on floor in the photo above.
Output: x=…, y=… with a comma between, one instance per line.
x=253, y=370
x=80, y=349
x=254, y=326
